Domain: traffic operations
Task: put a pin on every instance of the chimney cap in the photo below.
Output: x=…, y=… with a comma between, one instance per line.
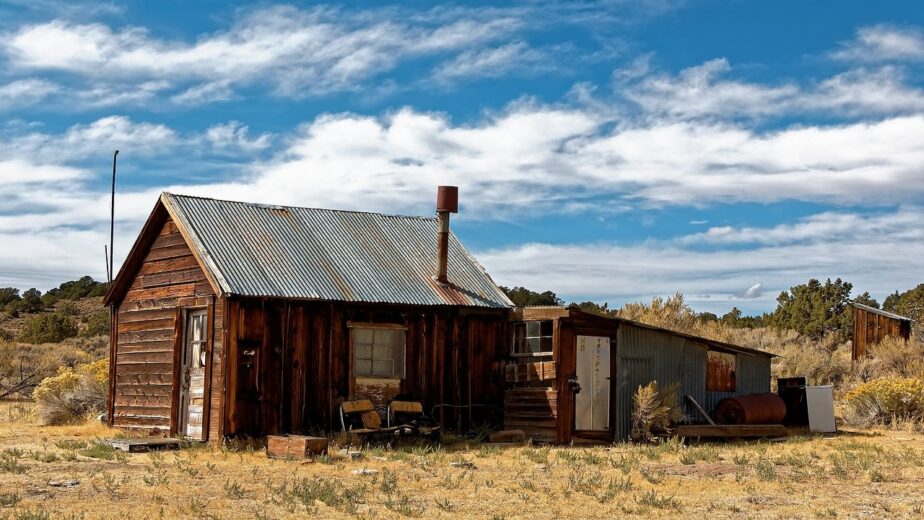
x=447, y=199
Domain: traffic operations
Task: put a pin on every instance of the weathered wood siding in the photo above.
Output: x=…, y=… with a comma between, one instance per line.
x=149, y=335
x=870, y=328
x=289, y=363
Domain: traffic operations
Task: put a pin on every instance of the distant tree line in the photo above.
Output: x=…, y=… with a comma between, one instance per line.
x=814, y=309
x=33, y=301
x=64, y=322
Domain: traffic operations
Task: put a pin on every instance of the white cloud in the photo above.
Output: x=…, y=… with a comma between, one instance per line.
x=115, y=95
x=532, y=159
x=752, y=292
x=697, y=91
x=822, y=226
x=210, y=92
x=701, y=91
x=22, y=173
x=235, y=135
x=295, y=52
x=25, y=92
x=98, y=138
x=712, y=279
x=493, y=62
x=884, y=43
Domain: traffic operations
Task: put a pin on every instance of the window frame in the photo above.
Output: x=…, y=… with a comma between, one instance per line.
x=712, y=379
x=198, y=348
x=399, y=366
x=520, y=343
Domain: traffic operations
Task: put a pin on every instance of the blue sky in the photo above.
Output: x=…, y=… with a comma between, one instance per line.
x=612, y=151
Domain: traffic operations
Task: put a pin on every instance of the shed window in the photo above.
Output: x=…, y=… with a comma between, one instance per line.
x=532, y=337
x=378, y=352
x=197, y=330
x=720, y=371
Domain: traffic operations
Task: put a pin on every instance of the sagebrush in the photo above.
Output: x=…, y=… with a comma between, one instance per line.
x=887, y=401
x=653, y=410
x=73, y=394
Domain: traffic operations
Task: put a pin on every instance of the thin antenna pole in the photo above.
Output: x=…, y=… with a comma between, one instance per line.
x=106, y=258
x=112, y=216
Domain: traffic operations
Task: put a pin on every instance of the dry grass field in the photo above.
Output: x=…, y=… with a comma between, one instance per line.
x=61, y=472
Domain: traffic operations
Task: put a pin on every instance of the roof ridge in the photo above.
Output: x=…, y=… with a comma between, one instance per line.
x=881, y=312
x=282, y=206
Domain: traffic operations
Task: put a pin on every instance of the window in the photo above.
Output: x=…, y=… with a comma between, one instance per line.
x=197, y=335
x=378, y=352
x=532, y=337
x=720, y=371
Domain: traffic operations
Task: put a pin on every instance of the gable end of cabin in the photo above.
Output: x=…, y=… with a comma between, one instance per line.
x=165, y=292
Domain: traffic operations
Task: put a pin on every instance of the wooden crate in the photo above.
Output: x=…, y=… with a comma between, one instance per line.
x=295, y=446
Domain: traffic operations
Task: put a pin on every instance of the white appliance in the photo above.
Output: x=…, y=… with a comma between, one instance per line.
x=820, y=403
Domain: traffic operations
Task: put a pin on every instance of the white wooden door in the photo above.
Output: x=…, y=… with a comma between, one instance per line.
x=592, y=403
x=193, y=384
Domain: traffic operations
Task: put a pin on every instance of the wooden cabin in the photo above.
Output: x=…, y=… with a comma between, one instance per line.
x=247, y=319
x=572, y=374
x=872, y=325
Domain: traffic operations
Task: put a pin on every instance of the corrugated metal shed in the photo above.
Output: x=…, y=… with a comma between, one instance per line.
x=646, y=354
x=319, y=254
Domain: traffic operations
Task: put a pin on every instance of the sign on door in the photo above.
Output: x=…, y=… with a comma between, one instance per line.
x=592, y=403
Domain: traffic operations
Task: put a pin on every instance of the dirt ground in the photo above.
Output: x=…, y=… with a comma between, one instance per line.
x=61, y=472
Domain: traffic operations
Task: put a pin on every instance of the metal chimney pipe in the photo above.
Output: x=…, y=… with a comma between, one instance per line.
x=447, y=201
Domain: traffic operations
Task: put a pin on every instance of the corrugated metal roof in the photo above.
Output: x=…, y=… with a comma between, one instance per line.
x=304, y=253
x=880, y=312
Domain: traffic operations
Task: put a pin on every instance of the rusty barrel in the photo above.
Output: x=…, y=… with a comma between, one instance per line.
x=750, y=409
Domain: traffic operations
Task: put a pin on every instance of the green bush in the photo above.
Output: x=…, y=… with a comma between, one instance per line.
x=97, y=325
x=68, y=309
x=77, y=289
x=887, y=401
x=48, y=328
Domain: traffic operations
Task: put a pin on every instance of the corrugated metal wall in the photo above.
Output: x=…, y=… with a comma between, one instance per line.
x=752, y=376
x=644, y=355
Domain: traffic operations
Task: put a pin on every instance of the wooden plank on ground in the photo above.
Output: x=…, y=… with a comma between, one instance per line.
x=730, y=430
x=144, y=445
x=508, y=436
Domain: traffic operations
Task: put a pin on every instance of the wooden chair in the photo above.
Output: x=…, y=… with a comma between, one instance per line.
x=359, y=417
x=410, y=416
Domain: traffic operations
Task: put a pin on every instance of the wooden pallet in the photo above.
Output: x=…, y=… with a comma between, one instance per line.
x=144, y=445
x=730, y=430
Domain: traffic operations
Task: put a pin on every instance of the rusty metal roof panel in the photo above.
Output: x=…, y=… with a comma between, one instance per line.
x=304, y=253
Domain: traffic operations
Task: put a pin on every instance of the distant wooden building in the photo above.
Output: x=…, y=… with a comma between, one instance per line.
x=248, y=319
x=871, y=325
x=573, y=374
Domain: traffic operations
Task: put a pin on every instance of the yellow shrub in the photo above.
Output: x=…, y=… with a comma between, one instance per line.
x=888, y=400
x=68, y=378
x=73, y=394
